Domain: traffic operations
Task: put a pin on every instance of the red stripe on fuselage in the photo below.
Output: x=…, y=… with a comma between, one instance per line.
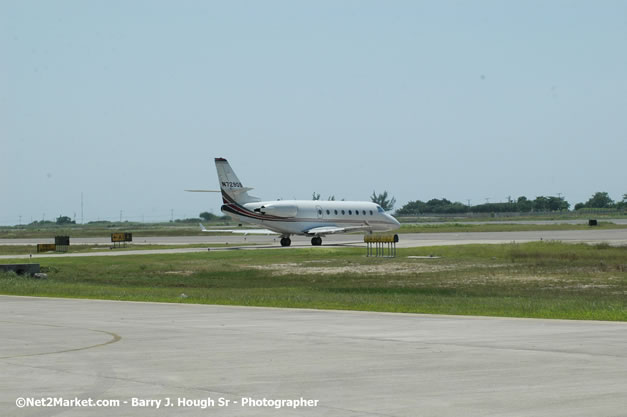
x=243, y=211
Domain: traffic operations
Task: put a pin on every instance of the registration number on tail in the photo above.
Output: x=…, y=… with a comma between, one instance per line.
x=230, y=184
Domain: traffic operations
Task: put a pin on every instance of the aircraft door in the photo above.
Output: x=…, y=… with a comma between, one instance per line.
x=319, y=212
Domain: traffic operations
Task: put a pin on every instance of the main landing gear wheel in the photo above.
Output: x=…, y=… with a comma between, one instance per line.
x=286, y=241
x=316, y=241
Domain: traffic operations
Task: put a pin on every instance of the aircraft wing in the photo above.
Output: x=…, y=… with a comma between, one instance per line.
x=329, y=230
x=238, y=231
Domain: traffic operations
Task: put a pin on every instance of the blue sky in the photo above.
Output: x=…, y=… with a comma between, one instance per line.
x=129, y=102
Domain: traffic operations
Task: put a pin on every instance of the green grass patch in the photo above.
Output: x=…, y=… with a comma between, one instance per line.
x=500, y=227
x=500, y=217
x=105, y=230
x=539, y=279
x=32, y=249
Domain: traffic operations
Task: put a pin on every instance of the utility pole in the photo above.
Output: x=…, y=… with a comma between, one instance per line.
x=20, y=220
x=120, y=216
x=82, y=218
x=171, y=215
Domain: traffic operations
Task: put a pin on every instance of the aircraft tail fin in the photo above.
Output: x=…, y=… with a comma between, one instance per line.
x=231, y=187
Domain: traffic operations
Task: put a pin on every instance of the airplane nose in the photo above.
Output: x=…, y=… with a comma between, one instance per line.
x=396, y=222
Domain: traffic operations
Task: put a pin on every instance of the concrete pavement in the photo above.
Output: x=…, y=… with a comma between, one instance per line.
x=353, y=363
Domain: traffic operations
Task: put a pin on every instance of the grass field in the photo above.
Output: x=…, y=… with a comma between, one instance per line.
x=88, y=230
x=501, y=227
x=548, y=280
x=32, y=249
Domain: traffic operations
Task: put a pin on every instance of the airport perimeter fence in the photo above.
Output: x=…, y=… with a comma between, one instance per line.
x=581, y=213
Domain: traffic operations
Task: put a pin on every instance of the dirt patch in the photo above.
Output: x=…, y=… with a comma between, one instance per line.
x=184, y=273
x=387, y=269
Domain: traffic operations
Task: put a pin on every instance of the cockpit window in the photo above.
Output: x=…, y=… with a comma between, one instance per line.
x=380, y=210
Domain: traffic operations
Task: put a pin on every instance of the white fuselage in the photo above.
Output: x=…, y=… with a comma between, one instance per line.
x=297, y=216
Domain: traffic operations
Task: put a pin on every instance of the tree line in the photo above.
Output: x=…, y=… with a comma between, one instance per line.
x=521, y=205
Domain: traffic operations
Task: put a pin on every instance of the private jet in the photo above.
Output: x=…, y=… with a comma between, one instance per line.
x=313, y=218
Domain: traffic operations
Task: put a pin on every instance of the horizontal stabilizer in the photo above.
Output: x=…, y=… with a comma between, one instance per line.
x=241, y=190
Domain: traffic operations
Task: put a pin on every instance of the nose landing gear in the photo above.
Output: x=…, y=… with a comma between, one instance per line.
x=316, y=241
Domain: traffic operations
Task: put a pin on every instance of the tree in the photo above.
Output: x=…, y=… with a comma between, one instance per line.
x=65, y=220
x=600, y=200
x=315, y=196
x=557, y=203
x=622, y=204
x=415, y=208
x=206, y=216
x=550, y=203
x=382, y=200
x=494, y=208
x=524, y=205
x=541, y=203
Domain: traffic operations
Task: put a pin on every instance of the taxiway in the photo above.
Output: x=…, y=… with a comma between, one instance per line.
x=353, y=363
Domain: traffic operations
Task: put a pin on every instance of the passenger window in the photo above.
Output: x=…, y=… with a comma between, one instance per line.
x=342, y=212
x=371, y=212
x=363, y=212
x=350, y=212
x=328, y=212
x=335, y=212
x=320, y=212
x=356, y=212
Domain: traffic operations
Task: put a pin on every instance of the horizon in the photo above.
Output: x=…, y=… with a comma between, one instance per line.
x=219, y=214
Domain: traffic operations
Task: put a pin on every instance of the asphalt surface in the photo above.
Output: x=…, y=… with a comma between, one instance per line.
x=353, y=363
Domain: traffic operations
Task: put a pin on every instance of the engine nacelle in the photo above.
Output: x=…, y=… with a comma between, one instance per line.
x=279, y=210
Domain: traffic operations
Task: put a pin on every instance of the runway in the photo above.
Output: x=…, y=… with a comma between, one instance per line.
x=407, y=240
x=353, y=363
